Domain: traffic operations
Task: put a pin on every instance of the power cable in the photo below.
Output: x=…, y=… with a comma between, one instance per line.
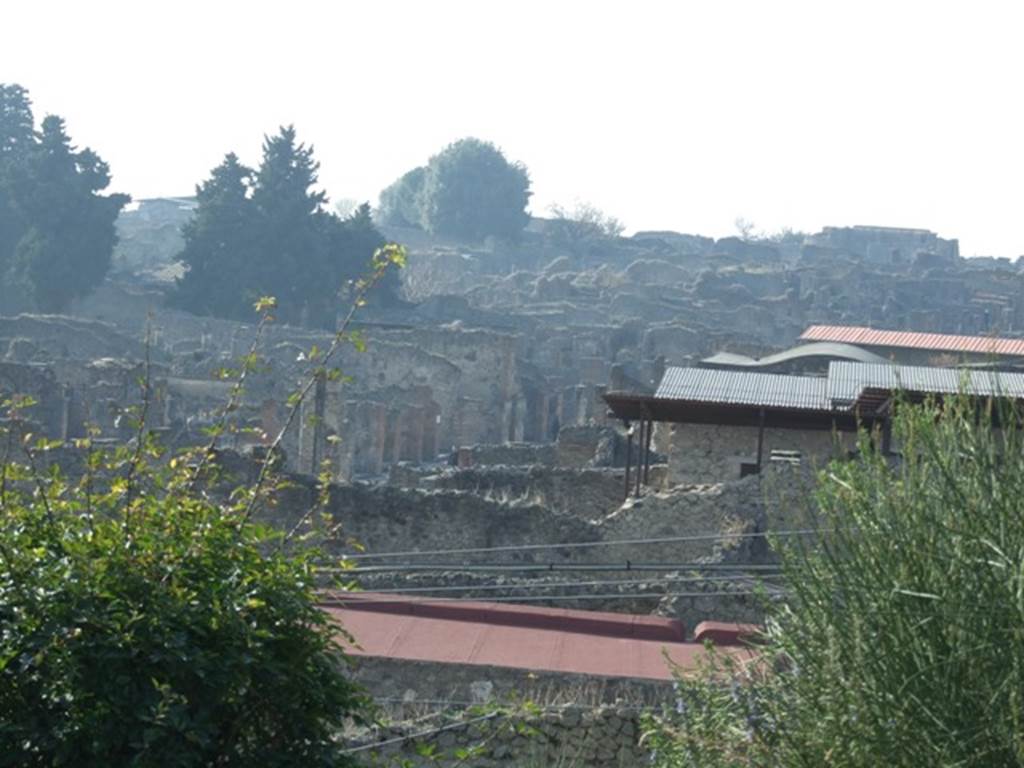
x=340, y=602
x=588, y=544
x=421, y=734
x=560, y=584
x=549, y=567
x=547, y=708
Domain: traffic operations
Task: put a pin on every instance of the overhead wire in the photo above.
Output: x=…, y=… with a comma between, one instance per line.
x=538, y=585
x=421, y=734
x=463, y=703
x=587, y=544
x=393, y=600
x=550, y=567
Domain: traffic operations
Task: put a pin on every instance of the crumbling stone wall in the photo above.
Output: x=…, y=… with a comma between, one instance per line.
x=605, y=737
x=410, y=681
x=700, y=453
x=47, y=338
x=587, y=494
x=386, y=519
x=507, y=454
x=602, y=727
x=719, y=512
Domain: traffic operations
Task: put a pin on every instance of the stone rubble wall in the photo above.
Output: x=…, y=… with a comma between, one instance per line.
x=584, y=493
x=408, y=682
x=604, y=737
x=507, y=454
x=386, y=519
x=701, y=453
x=722, y=510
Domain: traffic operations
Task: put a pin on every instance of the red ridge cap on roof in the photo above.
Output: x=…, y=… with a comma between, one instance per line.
x=598, y=623
x=938, y=342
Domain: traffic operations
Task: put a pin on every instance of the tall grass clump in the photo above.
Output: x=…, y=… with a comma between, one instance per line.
x=901, y=642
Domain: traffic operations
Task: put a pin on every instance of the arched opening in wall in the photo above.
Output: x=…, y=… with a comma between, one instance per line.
x=366, y=426
x=535, y=416
x=392, y=438
x=552, y=422
x=431, y=423
x=513, y=418
x=411, y=430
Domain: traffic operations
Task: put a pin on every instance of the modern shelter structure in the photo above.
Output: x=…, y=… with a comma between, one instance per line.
x=724, y=421
x=923, y=348
x=805, y=358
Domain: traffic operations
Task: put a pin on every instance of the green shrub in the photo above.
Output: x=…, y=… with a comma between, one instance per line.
x=156, y=627
x=147, y=620
x=902, y=641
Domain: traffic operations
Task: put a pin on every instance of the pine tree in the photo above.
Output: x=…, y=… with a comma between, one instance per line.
x=56, y=231
x=219, y=245
x=17, y=139
x=267, y=232
x=293, y=260
x=17, y=133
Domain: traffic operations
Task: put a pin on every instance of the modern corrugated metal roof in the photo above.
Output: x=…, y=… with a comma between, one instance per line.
x=768, y=390
x=846, y=381
x=816, y=349
x=938, y=342
x=838, y=392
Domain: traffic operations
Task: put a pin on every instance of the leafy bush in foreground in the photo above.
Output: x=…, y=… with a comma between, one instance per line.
x=158, y=628
x=147, y=622
x=902, y=642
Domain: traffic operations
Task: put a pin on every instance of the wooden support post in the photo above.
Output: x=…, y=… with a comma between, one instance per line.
x=319, y=407
x=65, y=413
x=629, y=457
x=647, y=452
x=640, y=457
x=760, y=439
x=886, y=436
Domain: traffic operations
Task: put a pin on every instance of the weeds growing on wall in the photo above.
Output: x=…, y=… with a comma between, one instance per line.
x=902, y=642
x=147, y=622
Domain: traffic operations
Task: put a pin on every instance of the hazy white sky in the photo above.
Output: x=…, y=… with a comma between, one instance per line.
x=669, y=115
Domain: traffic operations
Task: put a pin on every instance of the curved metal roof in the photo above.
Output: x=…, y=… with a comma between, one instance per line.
x=936, y=342
x=826, y=350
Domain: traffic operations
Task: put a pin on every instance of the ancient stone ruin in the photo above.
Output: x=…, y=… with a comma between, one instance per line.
x=474, y=426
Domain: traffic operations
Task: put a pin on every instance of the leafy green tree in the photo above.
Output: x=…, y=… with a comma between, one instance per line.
x=470, y=190
x=357, y=233
x=267, y=231
x=901, y=641
x=56, y=231
x=400, y=203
